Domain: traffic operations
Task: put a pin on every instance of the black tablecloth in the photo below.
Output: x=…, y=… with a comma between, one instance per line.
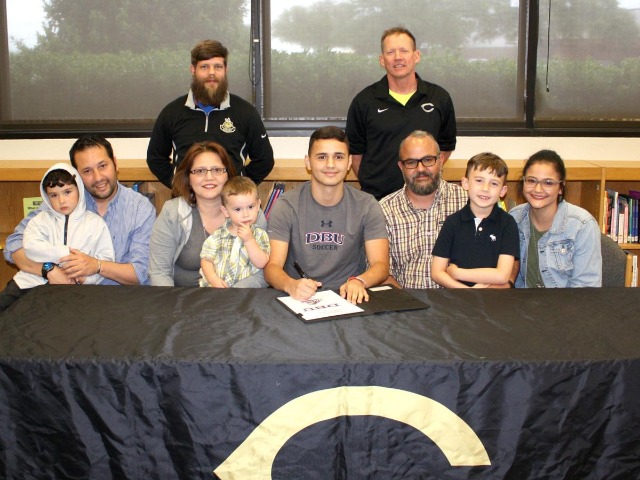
x=141, y=382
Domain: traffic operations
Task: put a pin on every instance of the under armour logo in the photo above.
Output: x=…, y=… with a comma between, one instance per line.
x=427, y=107
x=328, y=223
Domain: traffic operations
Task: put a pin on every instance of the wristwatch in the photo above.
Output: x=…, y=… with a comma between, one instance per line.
x=46, y=268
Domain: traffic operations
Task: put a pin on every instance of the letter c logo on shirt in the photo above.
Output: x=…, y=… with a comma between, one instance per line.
x=428, y=107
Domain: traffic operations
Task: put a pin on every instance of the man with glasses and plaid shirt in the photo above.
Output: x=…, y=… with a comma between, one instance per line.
x=415, y=213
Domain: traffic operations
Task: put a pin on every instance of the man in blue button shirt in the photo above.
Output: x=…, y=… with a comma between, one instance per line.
x=128, y=214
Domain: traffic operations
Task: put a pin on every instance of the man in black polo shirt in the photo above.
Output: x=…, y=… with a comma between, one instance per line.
x=384, y=113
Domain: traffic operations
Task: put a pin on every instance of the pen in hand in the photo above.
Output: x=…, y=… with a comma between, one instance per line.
x=304, y=275
x=299, y=270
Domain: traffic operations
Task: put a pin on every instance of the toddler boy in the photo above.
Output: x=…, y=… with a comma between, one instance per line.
x=238, y=249
x=478, y=245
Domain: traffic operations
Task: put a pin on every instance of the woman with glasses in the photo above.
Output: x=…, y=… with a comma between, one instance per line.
x=559, y=242
x=186, y=221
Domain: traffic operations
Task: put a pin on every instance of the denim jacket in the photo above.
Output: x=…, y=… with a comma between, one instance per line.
x=569, y=253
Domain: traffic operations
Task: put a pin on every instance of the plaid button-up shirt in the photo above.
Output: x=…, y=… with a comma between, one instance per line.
x=413, y=232
x=230, y=256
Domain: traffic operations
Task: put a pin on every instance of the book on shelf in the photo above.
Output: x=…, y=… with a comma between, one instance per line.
x=276, y=191
x=635, y=195
x=612, y=214
x=623, y=218
x=621, y=214
x=630, y=234
x=606, y=215
x=633, y=219
x=631, y=268
x=629, y=220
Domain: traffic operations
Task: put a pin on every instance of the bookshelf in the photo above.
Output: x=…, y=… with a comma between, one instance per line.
x=620, y=176
x=586, y=183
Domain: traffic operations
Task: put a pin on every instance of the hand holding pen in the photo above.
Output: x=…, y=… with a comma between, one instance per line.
x=306, y=287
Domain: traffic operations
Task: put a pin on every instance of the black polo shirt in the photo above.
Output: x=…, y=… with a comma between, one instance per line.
x=468, y=247
x=377, y=123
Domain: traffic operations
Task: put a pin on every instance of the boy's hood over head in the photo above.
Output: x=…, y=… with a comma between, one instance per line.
x=81, y=207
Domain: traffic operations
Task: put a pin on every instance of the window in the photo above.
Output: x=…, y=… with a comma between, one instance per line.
x=594, y=61
x=470, y=48
x=76, y=65
x=90, y=61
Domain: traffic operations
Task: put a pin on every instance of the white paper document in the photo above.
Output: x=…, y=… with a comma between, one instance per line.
x=325, y=303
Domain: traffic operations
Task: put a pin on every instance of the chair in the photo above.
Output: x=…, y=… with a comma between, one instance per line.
x=616, y=264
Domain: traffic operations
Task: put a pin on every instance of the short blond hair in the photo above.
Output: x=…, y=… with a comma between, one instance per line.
x=399, y=30
x=238, y=186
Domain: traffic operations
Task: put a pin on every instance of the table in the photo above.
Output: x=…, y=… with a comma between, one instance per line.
x=159, y=382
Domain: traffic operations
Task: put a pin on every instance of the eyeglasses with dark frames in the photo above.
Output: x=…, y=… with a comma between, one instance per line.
x=426, y=161
x=202, y=172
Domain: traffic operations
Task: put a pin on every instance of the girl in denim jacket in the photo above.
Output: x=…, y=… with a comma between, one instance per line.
x=559, y=242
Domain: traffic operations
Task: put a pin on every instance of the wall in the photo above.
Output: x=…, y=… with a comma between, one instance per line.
x=570, y=148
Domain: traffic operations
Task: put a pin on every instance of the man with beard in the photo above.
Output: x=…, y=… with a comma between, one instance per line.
x=415, y=213
x=209, y=113
x=384, y=113
x=128, y=215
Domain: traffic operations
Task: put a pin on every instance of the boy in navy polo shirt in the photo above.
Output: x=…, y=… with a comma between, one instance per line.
x=478, y=245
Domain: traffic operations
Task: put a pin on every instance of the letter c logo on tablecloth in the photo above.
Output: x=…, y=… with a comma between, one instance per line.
x=254, y=458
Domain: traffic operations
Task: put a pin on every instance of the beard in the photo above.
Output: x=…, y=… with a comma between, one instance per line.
x=424, y=188
x=207, y=95
x=111, y=187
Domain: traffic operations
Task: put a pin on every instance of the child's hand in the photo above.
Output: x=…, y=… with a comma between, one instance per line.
x=452, y=270
x=58, y=276
x=244, y=232
x=219, y=283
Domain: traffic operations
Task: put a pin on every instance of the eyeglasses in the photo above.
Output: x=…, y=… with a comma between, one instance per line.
x=426, y=161
x=202, y=172
x=546, y=183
